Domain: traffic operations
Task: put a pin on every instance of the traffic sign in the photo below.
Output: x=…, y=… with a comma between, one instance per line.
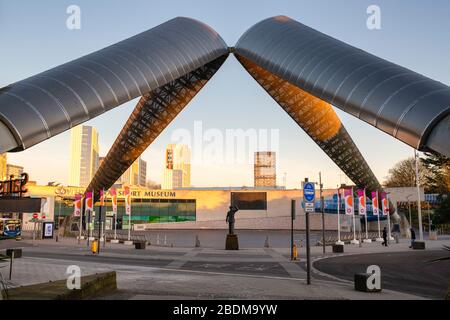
x=309, y=206
x=308, y=192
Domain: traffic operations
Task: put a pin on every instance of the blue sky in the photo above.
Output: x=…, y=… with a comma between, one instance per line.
x=34, y=38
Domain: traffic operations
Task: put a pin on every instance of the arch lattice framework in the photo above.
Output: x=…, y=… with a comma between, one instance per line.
x=305, y=72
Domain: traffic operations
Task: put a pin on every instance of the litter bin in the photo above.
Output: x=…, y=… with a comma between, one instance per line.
x=338, y=248
x=15, y=253
x=139, y=245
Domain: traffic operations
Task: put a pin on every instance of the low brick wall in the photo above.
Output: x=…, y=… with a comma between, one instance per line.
x=263, y=223
x=91, y=286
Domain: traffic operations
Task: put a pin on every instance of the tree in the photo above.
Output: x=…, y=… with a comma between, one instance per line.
x=403, y=174
x=438, y=178
x=153, y=185
x=439, y=182
x=442, y=212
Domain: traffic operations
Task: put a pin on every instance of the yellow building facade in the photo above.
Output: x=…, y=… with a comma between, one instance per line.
x=3, y=162
x=193, y=208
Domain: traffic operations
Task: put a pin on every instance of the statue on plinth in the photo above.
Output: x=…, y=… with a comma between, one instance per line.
x=230, y=218
x=232, y=239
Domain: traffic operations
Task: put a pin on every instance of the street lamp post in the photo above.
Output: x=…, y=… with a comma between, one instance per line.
x=409, y=210
x=429, y=219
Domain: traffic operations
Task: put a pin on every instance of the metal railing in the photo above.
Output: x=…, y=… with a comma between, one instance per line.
x=156, y=239
x=4, y=285
x=345, y=237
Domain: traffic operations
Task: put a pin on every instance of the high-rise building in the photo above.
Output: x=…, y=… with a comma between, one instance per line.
x=3, y=166
x=265, y=174
x=135, y=175
x=142, y=172
x=13, y=170
x=172, y=179
x=84, y=158
x=177, y=170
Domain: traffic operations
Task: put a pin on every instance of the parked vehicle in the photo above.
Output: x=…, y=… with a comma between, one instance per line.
x=10, y=228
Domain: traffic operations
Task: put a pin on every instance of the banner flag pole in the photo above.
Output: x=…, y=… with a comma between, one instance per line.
x=339, y=218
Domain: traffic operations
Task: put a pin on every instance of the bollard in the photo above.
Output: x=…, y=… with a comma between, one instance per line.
x=94, y=246
x=295, y=251
x=11, y=266
x=266, y=243
x=165, y=240
x=338, y=248
x=197, y=242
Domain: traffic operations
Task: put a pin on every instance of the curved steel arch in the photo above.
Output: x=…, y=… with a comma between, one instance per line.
x=39, y=107
x=398, y=101
x=318, y=119
x=304, y=70
x=151, y=116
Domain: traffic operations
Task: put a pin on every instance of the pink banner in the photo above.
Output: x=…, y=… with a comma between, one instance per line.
x=89, y=201
x=348, y=194
x=362, y=201
x=127, y=194
x=77, y=205
x=375, y=205
x=384, y=204
x=113, y=194
x=102, y=197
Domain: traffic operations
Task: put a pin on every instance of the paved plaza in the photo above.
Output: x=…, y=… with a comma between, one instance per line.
x=161, y=272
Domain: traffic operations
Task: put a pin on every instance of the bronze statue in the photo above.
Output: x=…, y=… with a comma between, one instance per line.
x=230, y=218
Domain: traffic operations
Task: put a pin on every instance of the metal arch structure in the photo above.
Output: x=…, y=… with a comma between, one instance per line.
x=44, y=105
x=398, y=101
x=304, y=70
x=318, y=119
x=151, y=116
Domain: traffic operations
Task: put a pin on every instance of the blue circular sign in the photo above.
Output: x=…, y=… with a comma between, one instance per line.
x=308, y=192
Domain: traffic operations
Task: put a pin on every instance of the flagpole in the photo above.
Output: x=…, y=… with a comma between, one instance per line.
x=365, y=217
x=102, y=199
x=354, y=241
x=129, y=224
x=128, y=206
x=114, y=209
x=339, y=219
x=115, y=226
x=81, y=218
x=388, y=218
x=104, y=225
x=91, y=231
x=378, y=216
x=87, y=223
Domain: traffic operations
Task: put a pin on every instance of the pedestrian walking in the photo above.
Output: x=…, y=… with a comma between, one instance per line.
x=384, y=237
x=413, y=237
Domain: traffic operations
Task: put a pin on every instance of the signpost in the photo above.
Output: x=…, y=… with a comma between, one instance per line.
x=309, y=195
x=292, y=227
x=323, y=212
